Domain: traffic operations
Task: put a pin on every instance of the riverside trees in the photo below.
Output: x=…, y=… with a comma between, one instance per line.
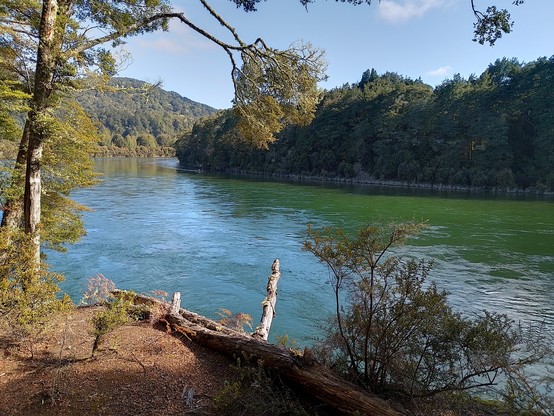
x=491, y=131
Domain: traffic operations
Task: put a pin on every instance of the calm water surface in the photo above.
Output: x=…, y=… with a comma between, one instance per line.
x=214, y=239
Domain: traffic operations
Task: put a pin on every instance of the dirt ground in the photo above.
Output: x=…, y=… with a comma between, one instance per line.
x=138, y=370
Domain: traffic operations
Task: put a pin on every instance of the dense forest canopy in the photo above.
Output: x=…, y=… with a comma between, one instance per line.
x=489, y=131
x=131, y=113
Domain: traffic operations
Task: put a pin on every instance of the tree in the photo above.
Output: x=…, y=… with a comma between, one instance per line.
x=492, y=23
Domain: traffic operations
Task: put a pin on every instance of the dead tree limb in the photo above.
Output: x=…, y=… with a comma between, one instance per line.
x=268, y=304
x=313, y=378
x=175, y=303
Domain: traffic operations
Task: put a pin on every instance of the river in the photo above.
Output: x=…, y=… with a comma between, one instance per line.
x=153, y=227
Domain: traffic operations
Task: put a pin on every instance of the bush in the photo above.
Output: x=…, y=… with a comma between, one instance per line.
x=116, y=313
x=258, y=392
x=28, y=297
x=394, y=332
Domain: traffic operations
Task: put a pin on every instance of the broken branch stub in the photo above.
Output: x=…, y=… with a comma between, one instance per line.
x=268, y=304
x=175, y=303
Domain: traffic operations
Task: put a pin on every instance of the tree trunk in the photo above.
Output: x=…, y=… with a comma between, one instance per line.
x=33, y=193
x=12, y=215
x=268, y=310
x=302, y=370
x=43, y=86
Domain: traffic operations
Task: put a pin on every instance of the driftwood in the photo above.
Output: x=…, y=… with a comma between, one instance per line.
x=313, y=378
x=175, y=303
x=268, y=305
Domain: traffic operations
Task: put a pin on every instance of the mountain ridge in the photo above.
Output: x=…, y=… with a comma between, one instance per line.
x=132, y=113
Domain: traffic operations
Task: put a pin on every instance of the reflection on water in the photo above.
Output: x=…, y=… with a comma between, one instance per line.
x=214, y=239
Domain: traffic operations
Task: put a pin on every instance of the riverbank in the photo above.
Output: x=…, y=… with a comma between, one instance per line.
x=364, y=179
x=139, y=151
x=138, y=370
x=141, y=370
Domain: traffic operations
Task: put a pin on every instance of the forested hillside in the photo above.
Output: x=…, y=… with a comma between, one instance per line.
x=130, y=114
x=495, y=130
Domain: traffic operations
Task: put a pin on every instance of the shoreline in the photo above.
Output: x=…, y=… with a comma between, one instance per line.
x=366, y=180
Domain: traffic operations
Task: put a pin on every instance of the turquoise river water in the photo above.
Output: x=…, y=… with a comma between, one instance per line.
x=153, y=227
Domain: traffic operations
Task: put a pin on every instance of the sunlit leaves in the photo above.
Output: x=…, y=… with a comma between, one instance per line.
x=28, y=297
x=67, y=165
x=274, y=88
x=12, y=100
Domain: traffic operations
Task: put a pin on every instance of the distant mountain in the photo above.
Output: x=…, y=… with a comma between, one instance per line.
x=133, y=115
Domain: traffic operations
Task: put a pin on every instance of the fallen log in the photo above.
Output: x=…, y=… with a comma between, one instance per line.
x=313, y=378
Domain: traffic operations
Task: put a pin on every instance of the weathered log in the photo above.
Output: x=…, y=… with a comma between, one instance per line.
x=175, y=303
x=268, y=304
x=313, y=378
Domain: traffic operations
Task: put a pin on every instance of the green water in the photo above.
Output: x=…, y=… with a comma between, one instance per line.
x=214, y=239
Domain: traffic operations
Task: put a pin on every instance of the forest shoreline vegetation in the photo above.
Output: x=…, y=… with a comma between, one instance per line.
x=369, y=182
x=490, y=132
x=392, y=335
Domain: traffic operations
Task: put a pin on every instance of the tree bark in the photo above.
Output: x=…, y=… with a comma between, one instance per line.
x=268, y=304
x=43, y=87
x=175, y=303
x=300, y=369
x=12, y=215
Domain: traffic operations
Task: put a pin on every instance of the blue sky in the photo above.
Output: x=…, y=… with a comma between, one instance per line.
x=431, y=39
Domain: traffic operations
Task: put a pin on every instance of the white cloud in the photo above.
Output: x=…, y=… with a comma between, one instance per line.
x=397, y=11
x=439, y=72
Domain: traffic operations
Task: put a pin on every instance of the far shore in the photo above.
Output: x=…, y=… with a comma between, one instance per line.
x=364, y=179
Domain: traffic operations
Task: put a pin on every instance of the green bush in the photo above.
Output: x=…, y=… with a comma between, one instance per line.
x=115, y=313
x=29, y=298
x=258, y=392
x=393, y=331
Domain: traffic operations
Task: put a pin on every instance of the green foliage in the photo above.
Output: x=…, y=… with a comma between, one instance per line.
x=258, y=392
x=12, y=100
x=276, y=88
x=28, y=297
x=490, y=132
x=67, y=165
x=114, y=314
x=286, y=342
x=393, y=330
x=128, y=108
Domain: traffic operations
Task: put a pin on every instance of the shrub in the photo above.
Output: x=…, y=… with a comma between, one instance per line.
x=116, y=313
x=235, y=321
x=28, y=297
x=258, y=392
x=394, y=331
x=99, y=290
